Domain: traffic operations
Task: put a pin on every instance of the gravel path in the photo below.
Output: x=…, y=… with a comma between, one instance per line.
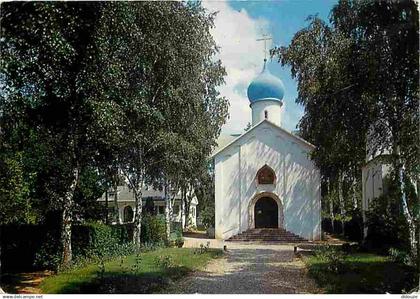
x=250, y=269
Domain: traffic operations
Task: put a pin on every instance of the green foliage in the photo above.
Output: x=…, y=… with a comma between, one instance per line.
x=91, y=242
x=333, y=257
x=387, y=227
x=204, y=191
x=153, y=229
x=89, y=84
x=15, y=205
x=365, y=273
x=400, y=256
x=358, y=82
x=176, y=238
x=164, y=262
x=89, y=189
x=48, y=256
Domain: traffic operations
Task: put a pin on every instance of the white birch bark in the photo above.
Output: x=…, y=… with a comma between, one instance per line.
x=168, y=209
x=406, y=210
x=183, y=208
x=137, y=216
x=116, y=207
x=66, y=223
x=341, y=200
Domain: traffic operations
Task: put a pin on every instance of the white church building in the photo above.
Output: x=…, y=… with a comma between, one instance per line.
x=264, y=178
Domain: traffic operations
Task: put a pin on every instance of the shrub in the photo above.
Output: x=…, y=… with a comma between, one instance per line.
x=387, y=227
x=124, y=232
x=176, y=238
x=48, y=256
x=401, y=256
x=332, y=256
x=153, y=229
x=203, y=248
x=94, y=240
x=164, y=262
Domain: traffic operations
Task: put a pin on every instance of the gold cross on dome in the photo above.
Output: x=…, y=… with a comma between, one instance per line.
x=265, y=38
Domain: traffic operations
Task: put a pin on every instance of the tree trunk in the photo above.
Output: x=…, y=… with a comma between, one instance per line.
x=183, y=208
x=116, y=208
x=353, y=190
x=341, y=200
x=137, y=217
x=331, y=204
x=188, y=199
x=168, y=209
x=410, y=219
x=67, y=221
x=106, y=207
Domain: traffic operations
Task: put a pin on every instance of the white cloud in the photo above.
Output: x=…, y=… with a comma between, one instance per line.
x=236, y=34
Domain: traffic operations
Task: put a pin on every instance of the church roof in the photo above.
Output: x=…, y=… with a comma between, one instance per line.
x=265, y=87
x=225, y=139
x=220, y=148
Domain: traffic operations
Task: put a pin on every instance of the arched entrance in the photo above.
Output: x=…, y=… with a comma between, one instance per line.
x=265, y=209
x=266, y=213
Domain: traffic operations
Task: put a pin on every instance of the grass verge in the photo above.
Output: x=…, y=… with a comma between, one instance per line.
x=361, y=273
x=146, y=272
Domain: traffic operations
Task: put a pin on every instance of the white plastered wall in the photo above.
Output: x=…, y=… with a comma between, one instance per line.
x=273, y=108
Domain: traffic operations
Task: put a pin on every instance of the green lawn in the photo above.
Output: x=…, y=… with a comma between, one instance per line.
x=362, y=273
x=132, y=274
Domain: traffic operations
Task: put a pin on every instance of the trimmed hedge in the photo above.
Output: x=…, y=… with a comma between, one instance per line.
x=37, y=247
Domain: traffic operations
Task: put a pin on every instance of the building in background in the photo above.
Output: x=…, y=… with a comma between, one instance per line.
x=152, y=199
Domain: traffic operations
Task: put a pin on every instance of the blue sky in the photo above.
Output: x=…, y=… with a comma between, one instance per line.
x=238, y=25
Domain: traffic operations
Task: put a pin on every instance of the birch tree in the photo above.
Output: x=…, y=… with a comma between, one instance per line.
x=45, y=49
x=361, y=72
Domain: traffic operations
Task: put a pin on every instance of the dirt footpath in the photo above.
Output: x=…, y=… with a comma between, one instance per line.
x=250, y=269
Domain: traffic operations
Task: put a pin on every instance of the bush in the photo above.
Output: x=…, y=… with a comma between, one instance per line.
x=49, y=255
x=89, y=241
x=164, y=262
x=175, y=238
x=94, y=239
x=124, y=232
x=387, y=227
x=37, y=247
x=333, y=257
x=401, y=256
x=153, y=229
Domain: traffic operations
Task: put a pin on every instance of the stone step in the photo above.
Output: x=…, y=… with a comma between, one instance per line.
x=267, y=235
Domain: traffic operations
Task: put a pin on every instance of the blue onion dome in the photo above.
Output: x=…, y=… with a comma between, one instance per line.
x=265, y=87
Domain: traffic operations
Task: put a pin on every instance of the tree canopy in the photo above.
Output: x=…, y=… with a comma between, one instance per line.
x=358, y=83
x=90, y=89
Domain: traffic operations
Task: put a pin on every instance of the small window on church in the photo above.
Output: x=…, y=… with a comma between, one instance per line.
x=266, y=175
x=266, y=114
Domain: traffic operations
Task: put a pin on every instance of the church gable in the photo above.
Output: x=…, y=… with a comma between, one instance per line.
x=268, y=133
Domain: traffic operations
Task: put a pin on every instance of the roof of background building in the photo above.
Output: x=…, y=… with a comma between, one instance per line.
x=126, y=194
